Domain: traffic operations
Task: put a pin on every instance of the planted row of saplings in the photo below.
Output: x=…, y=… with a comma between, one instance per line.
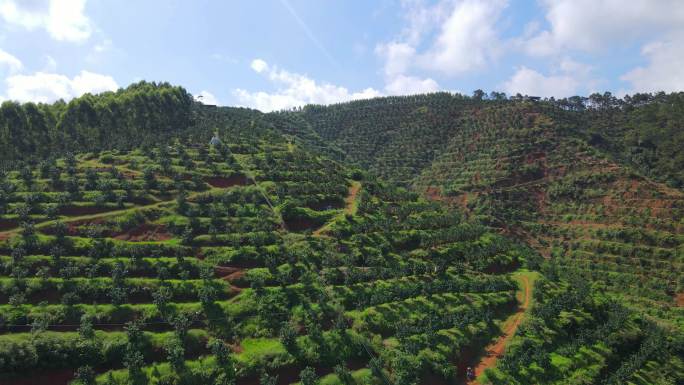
x=628, y=261
x=454, y=309
x=48, y=350
x=618, y=234
x=100, y=248
x=112, y=317
x=342, y=350
x=623, y=249
x=652, y=274
x=262, y=222
x=55, y=190
x=221, y=210
x=381, y=291
x=626, y=283
x=81, y=266
x=288, y=273
x=632, y=219
x=335, y=185
x=103, y=290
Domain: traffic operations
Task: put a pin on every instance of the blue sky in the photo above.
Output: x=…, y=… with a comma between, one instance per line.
x=274, y=54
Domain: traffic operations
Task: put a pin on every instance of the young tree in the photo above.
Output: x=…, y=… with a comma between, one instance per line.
x=175, y=353
x=344, y=374
x=133, y=358
x=85, y=330
x=85, y=375
x=267, y=379
x=226, y=366
x=308, y=376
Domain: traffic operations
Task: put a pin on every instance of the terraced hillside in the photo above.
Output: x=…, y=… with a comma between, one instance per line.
x=278, y=256
x=581, y=181
x=511, y=167
x=372, y=133
x=246, y=262
x=562, y=176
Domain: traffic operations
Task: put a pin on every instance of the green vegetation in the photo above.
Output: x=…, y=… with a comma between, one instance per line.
x=383, y=241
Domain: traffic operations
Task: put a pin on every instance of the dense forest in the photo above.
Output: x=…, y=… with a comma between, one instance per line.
x=413, y=240
x=141, y=113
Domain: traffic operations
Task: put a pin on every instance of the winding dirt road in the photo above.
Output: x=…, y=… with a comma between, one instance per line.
x=496, y=350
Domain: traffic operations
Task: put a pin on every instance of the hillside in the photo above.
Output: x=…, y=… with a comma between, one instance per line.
x=570, y=202
x=397, y=137
x=578, y=180
x=397, y=240
x=167, y=259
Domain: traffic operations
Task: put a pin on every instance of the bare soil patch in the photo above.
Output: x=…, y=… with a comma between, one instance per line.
x=145, y=233
x=55, y=377
x=328, y=204
x=8, y=224
x=301, y=224
x=223, y=182
x=679, y=299
x=75, y=211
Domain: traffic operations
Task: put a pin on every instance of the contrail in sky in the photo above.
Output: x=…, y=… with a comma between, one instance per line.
x=308, y=32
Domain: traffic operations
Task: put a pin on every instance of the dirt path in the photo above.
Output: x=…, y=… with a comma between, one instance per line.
x=350, y=208
x=350, y=201
x=496, y=350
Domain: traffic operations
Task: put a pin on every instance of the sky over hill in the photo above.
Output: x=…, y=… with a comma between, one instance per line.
x=274, y=54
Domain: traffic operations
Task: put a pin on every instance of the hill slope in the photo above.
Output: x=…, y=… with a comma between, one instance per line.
x=578, y=180
x=275, y=258
x=146, y=265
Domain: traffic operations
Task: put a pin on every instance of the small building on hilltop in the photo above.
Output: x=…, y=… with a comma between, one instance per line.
x=215, y=141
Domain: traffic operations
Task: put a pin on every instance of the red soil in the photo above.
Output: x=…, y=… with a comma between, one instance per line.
x=75, y=211
x=8, y=224
x=145, y=232
x=62, y=376
x=433, y=193
x=234, y=276
x=351, y=197
x=679, y=299
x=231, y=274
x=222, y=271
x=325, y=205
x=300, y=224
x=222, y=182
x=290, y=374
x=496, y=350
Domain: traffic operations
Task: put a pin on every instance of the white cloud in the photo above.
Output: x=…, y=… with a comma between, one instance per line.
x=47, y=87
x=9, y=62
x=423, y=19
x=64, y=20
x=404, y=85
x=207, y=97
x=467, y=39
x=398, y=57
x=530, y=82
x=295, y=90
x=591, y=25
x=665, y=69
x=91, y=82
x=259, y=65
